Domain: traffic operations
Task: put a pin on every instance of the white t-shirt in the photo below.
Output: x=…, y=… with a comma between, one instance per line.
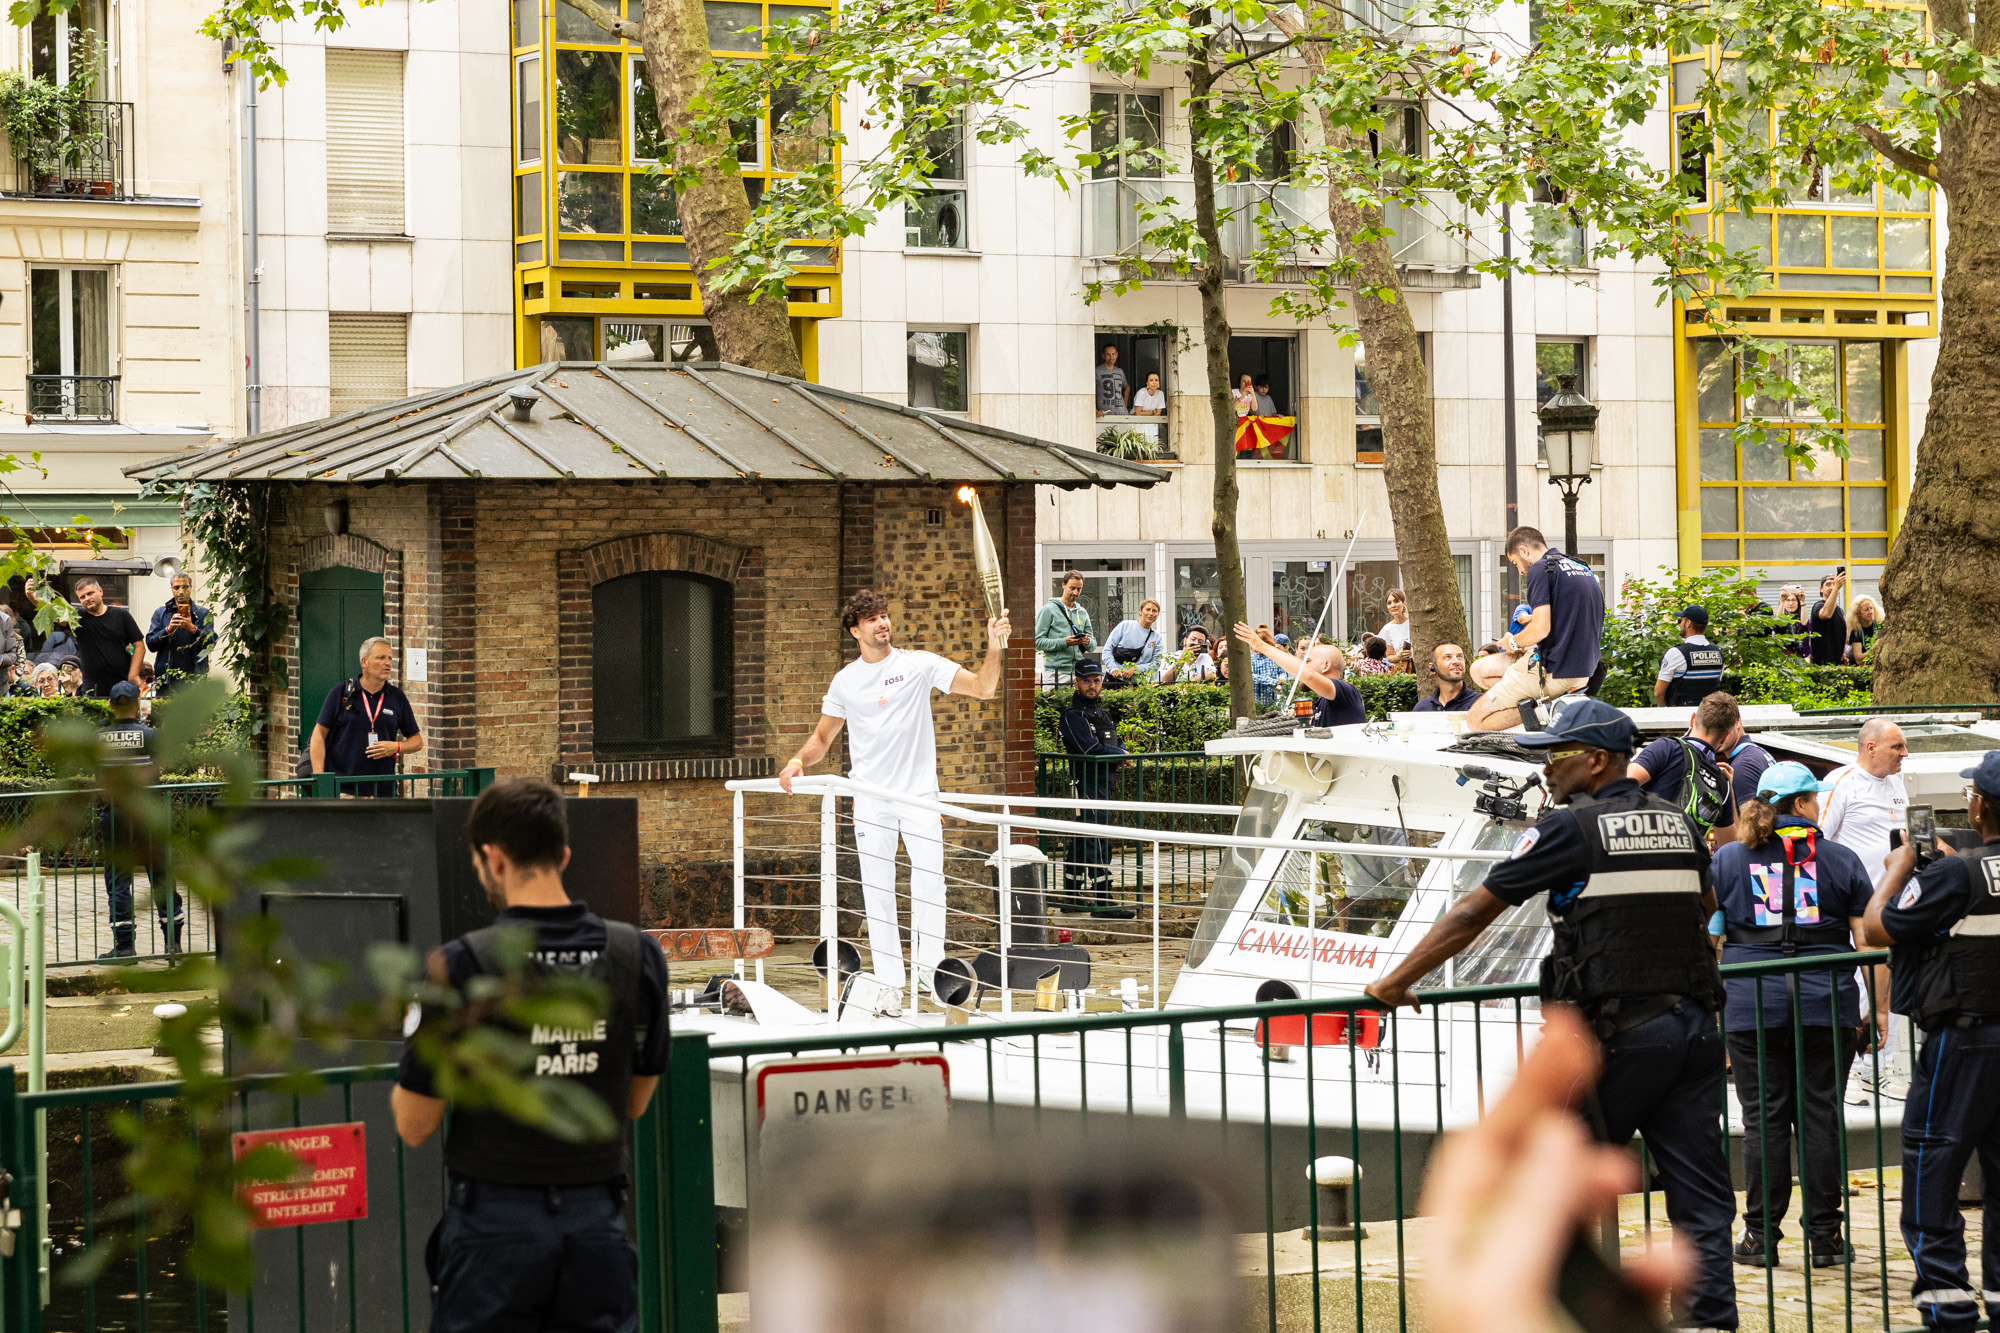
x=1152, y=400
x=1859, y=812
x=1396, y=636
x=887, y=708
x=1674, y=663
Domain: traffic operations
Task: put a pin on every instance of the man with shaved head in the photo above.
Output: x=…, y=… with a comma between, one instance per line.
x=1321, y=670
x=1865, y=800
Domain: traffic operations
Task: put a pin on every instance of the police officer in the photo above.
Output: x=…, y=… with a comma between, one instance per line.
x=533, y=1235
x=126, y=742
x=1944, y=926
x=1628, y=886
x=1691, y=670
x=1087, y=729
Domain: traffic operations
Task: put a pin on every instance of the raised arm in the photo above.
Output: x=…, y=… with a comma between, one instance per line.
x=1312, y=679
x=985, y=683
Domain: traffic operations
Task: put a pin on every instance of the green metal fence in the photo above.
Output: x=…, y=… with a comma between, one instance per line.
x=74, y=868
x=1162, y=778
x=1216, y=1075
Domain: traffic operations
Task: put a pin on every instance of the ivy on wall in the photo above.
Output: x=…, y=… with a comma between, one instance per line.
x=231, y=526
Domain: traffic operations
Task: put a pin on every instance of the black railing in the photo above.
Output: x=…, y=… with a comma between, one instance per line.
x=73, y=397
x=90, y=159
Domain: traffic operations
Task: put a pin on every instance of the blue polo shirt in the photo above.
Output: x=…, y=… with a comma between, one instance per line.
x=1576, y=614
x=1462, y=704
x=350, y=715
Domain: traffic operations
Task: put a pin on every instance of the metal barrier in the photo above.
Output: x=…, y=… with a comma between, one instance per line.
x=1271, y=1087
x=78, y=874
x=1165, y=778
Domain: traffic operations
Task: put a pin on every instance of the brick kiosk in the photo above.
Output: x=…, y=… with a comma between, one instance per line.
x=500, y=514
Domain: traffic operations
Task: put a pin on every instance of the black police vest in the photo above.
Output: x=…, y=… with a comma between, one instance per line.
x=1958, y=975
x=487, y=1145
x=1702, y=678
x=1093, y=774
x=1637, y=929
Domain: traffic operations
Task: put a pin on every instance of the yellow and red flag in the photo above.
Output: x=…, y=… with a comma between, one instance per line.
x=1263, y=437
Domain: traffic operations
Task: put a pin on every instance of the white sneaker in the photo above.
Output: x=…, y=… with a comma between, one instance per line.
x=1862, y=1088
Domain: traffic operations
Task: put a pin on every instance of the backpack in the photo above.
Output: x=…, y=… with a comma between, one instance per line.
x=1705, y=796
x=302, y=767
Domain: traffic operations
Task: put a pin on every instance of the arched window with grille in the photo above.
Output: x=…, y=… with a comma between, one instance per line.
x=661, y=664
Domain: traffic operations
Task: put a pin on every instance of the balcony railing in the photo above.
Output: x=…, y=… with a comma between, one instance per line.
x=1287, y=221
x=92, y=160
x=72, y=398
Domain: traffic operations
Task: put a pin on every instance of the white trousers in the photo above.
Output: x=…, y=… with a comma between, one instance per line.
x=878, y=825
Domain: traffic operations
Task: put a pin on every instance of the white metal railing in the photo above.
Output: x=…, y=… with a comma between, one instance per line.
x=963, y=807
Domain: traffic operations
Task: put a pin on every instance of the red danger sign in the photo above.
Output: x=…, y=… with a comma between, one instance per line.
x=332, y=1180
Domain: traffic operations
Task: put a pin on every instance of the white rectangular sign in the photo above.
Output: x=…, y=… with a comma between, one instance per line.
x=805, y=1103
x=416, y=664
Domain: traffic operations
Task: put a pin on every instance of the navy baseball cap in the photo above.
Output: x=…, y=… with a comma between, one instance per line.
x=123, y=691
x=1089, y=666
x=1696, y=616
x=1985, y=774
x=1590, y=722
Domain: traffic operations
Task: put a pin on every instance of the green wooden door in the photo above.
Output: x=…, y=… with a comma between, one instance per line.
x=338, y=608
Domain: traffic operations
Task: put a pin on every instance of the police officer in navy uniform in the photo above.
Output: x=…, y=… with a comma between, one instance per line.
x=1943, y=921
x=533, y=1236
x=127, y=742
x=1628, y=883
x=1090, y=734
x=1691, y=670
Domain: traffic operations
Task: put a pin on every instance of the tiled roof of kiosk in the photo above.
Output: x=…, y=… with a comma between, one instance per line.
x=699, y=421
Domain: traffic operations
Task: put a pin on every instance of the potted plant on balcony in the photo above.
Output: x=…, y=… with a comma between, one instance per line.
x=1129, y=443
x=49, y=123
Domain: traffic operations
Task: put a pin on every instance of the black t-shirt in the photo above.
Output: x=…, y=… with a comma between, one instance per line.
x=568, y=938
x=1345, y=708
x=1829, y=636
x=104, y=644
x=387, y=714
x=1576, y=615
x=1461, y=704
x=1863, y=636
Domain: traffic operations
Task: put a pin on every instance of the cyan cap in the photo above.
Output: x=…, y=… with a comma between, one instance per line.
x=1789, y=778
x=1985, y=774
x=124, y=690
x=1696, y=616
x=1591, y=722
x=1089, y=666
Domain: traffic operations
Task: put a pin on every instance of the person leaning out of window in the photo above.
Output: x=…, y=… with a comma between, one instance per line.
x=1784, y=890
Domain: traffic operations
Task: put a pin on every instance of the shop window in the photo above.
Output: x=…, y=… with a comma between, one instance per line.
x=937, y=368
x=1369, y=582
x=661, y=665
x=1112, y=591
x=1368, y=408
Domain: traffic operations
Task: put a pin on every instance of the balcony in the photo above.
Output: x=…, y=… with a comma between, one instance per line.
x=1430, y=242
x=79, y=398
x=90, y=158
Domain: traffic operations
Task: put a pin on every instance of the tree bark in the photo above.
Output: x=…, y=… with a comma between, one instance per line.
x=1402, y=387
x=714, y=211
x=1941, y=590
x=1222, y=408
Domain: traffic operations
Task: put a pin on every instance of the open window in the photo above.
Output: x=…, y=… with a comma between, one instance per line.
x=1131, y=392
x=1352, y=893
x=1264, y=380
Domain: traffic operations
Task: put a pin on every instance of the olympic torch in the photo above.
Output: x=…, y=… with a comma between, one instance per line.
x=985, y=558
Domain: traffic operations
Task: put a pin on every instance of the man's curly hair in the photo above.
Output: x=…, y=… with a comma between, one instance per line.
x=864, y=605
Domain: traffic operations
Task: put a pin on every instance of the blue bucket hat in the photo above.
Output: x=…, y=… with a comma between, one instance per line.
x=1788, y=779
x=1591, y=722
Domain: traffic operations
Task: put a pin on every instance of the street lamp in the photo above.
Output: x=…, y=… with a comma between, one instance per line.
x=1569, y=438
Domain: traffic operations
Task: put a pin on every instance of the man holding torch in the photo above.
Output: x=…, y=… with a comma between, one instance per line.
x=884, y=699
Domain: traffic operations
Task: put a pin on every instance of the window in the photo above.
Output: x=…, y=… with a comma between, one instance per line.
x=1554, y=229
x=364, y=143
x=936, y=219
x=528, y=110
x=1132, y=404
x=1348, y=893
x=1272, y=362
x=1198, y=598
x=1759, y=507
x=936, y=362
x=1367, y=587
x=61, y=45
x=1555, y=358
x=1368, y=409
x=1112, y=591
x=1134, y=119
x=71, y=352
x=368, y=360
x=661, y=665
x=1508, y=952
x=569, y=338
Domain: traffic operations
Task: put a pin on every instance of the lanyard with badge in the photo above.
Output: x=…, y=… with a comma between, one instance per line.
x=375, y=712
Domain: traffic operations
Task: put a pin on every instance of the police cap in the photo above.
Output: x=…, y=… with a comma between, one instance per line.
x=124, y=692
x=1087, y=667
x=1985, y=774
x=1590, y=722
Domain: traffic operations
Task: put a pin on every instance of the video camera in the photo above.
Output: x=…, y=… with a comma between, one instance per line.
x=1499, y=796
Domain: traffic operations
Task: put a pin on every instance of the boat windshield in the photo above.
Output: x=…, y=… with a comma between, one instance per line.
x=1352, y=893
x=1257, y=819
x=1509, y=951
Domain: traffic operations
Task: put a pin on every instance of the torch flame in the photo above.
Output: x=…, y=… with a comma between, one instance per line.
x=965, y=494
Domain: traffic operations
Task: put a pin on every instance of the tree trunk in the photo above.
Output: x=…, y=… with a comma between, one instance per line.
x=1403, y=388
x=714, y=212
x=1222, y=408
x=1941, y=590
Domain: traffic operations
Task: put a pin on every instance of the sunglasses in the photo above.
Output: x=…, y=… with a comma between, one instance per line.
x=1557, y=756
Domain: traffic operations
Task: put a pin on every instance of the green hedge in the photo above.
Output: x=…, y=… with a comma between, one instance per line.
x=25, y=766
x=1184, y=717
